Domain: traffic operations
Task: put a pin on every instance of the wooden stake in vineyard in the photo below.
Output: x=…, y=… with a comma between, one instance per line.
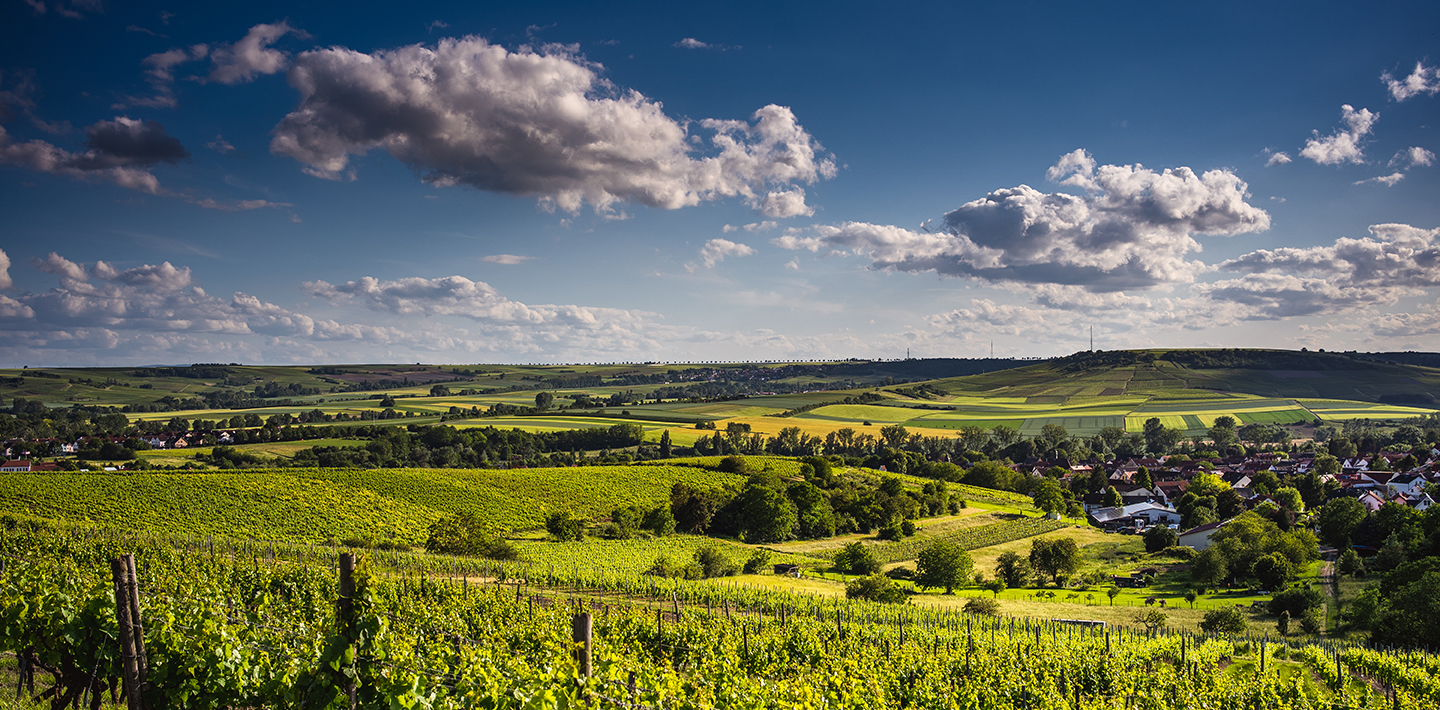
x=126, y=614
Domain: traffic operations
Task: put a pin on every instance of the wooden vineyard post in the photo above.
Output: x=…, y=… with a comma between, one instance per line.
x=581, y=626
x=1263, y=643
x=137, y=625
x=346, y=608
x=131, y=666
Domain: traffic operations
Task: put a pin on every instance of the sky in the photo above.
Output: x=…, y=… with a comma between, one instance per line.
x=598, y=182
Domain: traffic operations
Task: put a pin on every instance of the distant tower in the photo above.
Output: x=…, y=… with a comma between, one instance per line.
x=907, y=353
x=1092, y=338
x=992, y=350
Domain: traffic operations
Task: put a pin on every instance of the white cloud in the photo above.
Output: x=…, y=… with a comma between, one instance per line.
x=541, y=123
x=716, y=250
x=692, y=43
x=793, y=264
x=786, y=203
x=1395, y=325
x=5, y=281
x=1344, y=144
x=1412, y=157
x=1398, y=260
x=1424, y=80
x=1278, y=157
x=506, y=259
x=1131, y=230
x=252, y=56
x=1386, y=180
x=60, y=266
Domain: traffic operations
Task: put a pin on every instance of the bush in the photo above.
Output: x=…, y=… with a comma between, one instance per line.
x=900, y=573
x=463, y=534
x=733, y=464
x=893, y=530
x=713, y=562
x=1180, y=552
x=566, y=526
x=1297, y=601
x=759, y=560
x=663, y=566
x=1160, y=537
x=876, y=588
x=855, y=558
x=981, y=605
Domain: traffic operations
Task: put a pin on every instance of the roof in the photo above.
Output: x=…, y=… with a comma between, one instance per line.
x=1203, y=528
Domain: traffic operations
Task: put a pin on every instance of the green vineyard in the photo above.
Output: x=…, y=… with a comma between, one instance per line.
x=240, y=625
x=972, y=538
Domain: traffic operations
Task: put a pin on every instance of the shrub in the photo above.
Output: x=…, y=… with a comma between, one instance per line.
x=1160, y=537
x=759, y=560
x=733, y=464
x=713, y=562
x=566, y=526
x=876, y=588
x=1180, y=552
x=981, y=605
x=855, y=558
x=900, y=573
x=463, y=534
x=1297, y=601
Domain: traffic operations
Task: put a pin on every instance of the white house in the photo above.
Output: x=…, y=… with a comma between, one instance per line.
x=1199, y=537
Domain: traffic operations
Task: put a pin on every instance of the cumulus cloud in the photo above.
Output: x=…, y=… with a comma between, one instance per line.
x=538, y=123
x=121, y=151
x=253, y=55
x=692, y=43
x=786, y=203
x=1278, y=157
x=126, y=141
x=1397, y=260
x=1412, y=157
x=1424, y=80
x=5, y=281
x=60, y=266
x=716, y=250
x=506, y=259
x=44, y=157
x=1400, y=325
x=1343, y=145
x=1130, y=230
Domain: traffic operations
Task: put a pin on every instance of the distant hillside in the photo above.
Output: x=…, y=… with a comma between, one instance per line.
x=1197, y=373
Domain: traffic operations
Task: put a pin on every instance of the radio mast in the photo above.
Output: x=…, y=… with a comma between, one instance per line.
x=1092, y=338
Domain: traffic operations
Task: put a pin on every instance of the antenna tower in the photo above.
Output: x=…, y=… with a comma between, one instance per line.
x=1092, y=338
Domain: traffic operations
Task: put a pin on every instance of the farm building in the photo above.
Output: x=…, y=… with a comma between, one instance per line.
x=1199, y=537
x=1147, y=513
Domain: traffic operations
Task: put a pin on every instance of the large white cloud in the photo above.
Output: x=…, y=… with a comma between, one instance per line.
x=1398, y=260
x=1130, y=230
x=1424, y=80
x=540, y=123
x=1344, y=145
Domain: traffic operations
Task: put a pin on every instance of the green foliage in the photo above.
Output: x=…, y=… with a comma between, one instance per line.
x=464, y=534
x=943, y=564
x=982, y=606
x=1153, y=619
x=876, y=588
x=1057, y=557
x=565, y=525
x=1160, y=537
x=758, y=562
x=1013, y=569
x=713, y=562
x=1338, y=520
x=1225, y=620
x=1296, y=600
x=1350, y=562
x=1049, y=497
x=856, y=558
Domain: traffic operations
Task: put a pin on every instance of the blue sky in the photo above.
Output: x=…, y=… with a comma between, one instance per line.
x=551, y=182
